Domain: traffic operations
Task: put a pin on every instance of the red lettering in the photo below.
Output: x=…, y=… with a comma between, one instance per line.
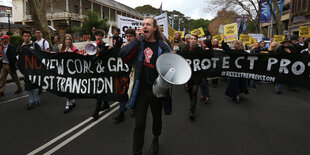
x=27, y=61
x=121, y=85
x=36, y=64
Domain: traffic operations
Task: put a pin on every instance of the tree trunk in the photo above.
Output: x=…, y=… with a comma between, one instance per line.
x=276, y=16
x=38, y=15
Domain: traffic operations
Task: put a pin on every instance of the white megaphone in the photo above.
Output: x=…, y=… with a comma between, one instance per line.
x=91, y=48
x=173, y=70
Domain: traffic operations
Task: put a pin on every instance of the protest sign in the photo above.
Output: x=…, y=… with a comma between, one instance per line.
x=198, y=32
x=245, y=38
x=304, y=31
x=231, y=32
x=126, y=22
x=278, y=38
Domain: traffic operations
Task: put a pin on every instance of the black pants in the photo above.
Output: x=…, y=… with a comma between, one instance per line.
x=192, y=92
x=145, y=99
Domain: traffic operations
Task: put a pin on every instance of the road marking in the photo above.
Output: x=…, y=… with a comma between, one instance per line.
x=80, y=132
x=66, y=133
x=14, y=99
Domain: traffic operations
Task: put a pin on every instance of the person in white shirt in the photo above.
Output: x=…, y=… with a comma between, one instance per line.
x=41, y=41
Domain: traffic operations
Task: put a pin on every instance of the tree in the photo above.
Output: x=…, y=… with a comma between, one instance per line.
x=197, y=23
x=276, y=15
x=250, y=8
x=148, y=10
x=223, y=17
x=185, y=22
x=92, y=20
x=38, y=15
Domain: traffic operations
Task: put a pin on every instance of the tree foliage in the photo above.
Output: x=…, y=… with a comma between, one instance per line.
x=92, y=20
x=249, y=8
x=223, y=17
x=185, y=22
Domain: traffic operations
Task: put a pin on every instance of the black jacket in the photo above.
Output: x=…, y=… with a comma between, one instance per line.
x=11, y=55
x=281, y=50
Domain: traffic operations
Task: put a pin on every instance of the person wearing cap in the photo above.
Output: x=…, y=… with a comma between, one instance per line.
x=8, y=65
x=294, y=44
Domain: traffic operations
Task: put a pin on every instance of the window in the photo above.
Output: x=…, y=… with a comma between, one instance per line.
x=299, y=5
x=102, y=15
x=76, y=9
x=304, y=5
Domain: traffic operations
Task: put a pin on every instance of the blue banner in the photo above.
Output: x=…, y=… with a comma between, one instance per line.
x=265, y=15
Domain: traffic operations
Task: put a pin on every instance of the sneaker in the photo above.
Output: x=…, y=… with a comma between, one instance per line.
x=202, y=98
x=207, y=101
x=31, y=106
x=119, y=118
x=192, y=115
x=105, y=106
x=154, y=146
x=278, y=92
x=237, y=100
x=68, y=108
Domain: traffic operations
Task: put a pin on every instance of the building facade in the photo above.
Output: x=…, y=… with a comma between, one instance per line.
x=300, y=15
x=62, y=12
x=3, y=14
x=269, y=30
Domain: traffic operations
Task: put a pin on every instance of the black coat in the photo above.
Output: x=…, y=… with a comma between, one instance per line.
x=11, y=55
x=197, y=53
x=236, y=86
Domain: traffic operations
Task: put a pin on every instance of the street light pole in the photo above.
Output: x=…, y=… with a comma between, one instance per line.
x=8, y=12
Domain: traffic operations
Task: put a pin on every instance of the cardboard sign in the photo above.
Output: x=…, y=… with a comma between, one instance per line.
x=219, y=37
x=171, y=32
x=231, y=32
x=304, y=31
x=279, y=38
x=198, y=32
x=245, y=38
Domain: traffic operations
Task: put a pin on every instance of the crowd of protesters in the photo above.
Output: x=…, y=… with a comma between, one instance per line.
x=151, y=42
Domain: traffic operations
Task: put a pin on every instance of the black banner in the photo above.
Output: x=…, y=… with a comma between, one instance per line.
x=71, y=75
x=286, y=68
x=106, y=76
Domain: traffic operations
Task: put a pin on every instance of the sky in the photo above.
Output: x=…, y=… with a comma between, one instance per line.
x=190, y=8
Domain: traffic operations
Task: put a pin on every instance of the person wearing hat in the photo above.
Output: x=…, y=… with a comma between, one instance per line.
x=286, y=48
x=294, y=44
x=8, y=65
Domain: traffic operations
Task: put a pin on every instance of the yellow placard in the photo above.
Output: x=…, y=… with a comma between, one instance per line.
x=171, y=32
x=198, y=32
x=279, y=38
x=219, y=37
x=253, y=41
x=231, y=32
x=182, y=33
x=304, y=31
x=246, y=38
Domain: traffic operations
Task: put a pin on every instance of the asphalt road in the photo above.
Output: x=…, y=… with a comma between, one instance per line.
x=262, y=124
